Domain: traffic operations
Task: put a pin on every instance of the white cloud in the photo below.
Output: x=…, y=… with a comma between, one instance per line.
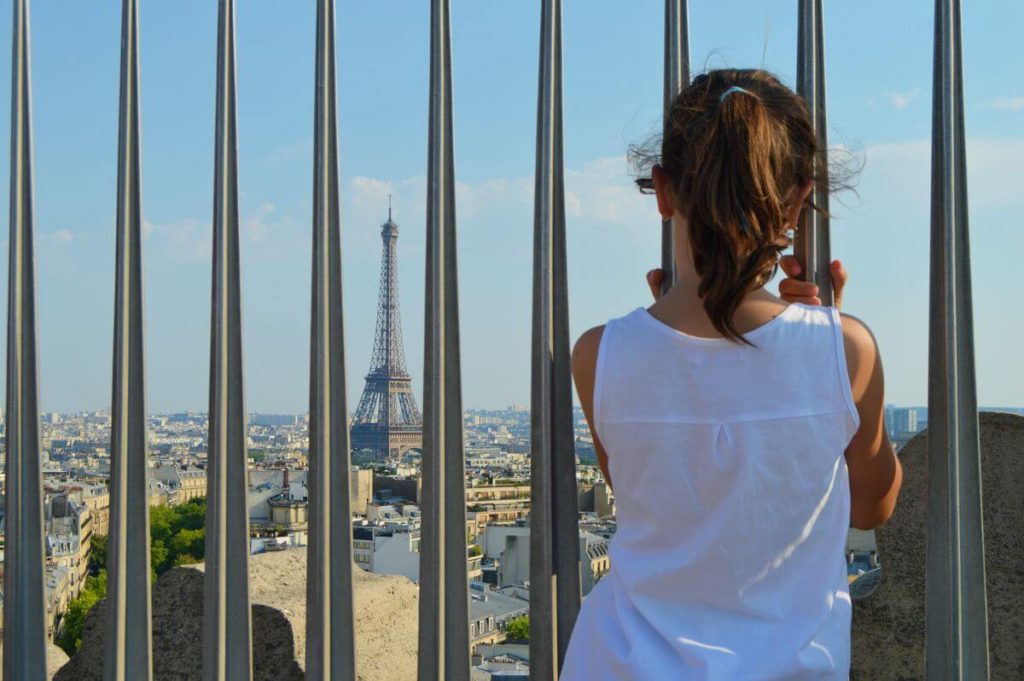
x=884, y=242
x=291, y=152
x=994, y=166
x=901, y=100
x=601, y=191
x=184, y=237
x=490, y=197
x=604, y=191
x=364, y=204
x=573, y=205
x=1004, y=104
x=192, y=239
x=369, y=191
x=63, y=236
x=256, y=226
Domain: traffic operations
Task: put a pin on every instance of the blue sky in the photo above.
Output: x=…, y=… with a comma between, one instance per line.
x=879, y=84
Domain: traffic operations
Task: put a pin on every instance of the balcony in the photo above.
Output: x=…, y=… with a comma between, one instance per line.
x=931, y=617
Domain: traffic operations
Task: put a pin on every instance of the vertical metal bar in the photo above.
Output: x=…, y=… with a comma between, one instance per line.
x=956, y=622
x=129, y=632
x=330, y=617
x=677, y=76
x=444, y=594
x=812, y=247
x=554, y=530
x=227, y=629
x=24, y=598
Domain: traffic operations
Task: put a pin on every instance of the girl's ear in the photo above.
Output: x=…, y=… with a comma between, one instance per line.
x=796, y=202
x=663, y=191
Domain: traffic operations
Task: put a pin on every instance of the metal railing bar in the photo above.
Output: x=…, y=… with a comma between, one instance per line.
x=677, y=76
x=812, y=243
x=129, y=629
x=330, y=614
x=554, y=532
x=956, y=617
x=24, y=588
x=227, y=626
x=444, y=593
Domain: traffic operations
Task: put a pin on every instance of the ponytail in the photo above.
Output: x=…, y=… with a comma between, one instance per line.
x=735, y=208
x=735, y=143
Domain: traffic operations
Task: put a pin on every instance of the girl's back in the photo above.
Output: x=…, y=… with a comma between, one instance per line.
x=741, y=454
x=733, y=503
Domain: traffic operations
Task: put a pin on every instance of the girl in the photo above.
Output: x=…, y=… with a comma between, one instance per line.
x=742, y=435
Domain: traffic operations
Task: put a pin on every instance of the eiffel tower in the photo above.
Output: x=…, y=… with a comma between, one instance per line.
x=387, y=420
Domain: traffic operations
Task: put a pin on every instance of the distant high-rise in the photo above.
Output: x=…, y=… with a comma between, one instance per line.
x=387, y=420
x=900, y=420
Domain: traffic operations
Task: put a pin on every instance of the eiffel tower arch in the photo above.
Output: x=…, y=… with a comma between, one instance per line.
x=387, y=420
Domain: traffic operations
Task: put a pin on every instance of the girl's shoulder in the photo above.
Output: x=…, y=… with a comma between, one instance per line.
x=584, y=352
x=861, y=350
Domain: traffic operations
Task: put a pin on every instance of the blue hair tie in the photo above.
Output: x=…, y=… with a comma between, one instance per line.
x=734, y=88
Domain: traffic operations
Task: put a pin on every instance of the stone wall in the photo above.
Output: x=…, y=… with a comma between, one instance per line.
x=386, y=626
x=889, y=625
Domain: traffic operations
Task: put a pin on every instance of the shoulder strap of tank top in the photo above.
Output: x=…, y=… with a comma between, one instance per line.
x=841, y=366
x=604, y=349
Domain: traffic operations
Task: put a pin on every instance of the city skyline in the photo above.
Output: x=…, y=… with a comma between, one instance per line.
x=612, y=230
x=510, y=408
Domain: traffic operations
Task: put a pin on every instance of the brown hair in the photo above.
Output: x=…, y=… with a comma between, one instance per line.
x=732, y=159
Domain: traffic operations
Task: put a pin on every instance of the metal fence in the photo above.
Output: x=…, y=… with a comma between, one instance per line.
x=957, y=646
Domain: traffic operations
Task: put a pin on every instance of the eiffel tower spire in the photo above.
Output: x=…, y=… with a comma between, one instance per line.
x=387, y=420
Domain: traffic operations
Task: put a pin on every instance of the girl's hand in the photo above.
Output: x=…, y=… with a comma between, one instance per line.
x=791, y=289
x=654, y=278
x=794, y=290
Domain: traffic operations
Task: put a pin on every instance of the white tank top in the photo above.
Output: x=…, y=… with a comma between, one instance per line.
x=733, y=504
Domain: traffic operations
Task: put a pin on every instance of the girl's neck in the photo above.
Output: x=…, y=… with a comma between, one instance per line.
x=683, y=308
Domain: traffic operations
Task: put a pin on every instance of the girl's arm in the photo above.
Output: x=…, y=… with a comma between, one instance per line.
x=875, y=472
x=584, y=366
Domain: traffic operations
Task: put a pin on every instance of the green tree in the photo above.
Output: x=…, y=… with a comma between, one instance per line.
x=70, y=638
x=159, y=557
x=161, y=524
x=191, y=515
x=98, y=584
x=187, y=542
x=98, y=553
x=177, y=537
x=186, y=559
x=177, y=530
x=518, y=630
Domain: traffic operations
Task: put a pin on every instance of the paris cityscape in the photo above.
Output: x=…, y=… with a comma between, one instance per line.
x=383, y=497
x=386, y=444
x=365, y=511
